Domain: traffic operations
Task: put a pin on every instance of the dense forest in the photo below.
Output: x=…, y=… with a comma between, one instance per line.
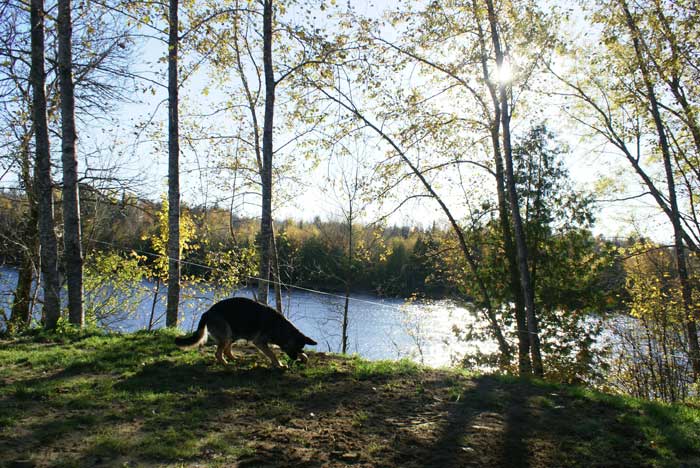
x=464, y=150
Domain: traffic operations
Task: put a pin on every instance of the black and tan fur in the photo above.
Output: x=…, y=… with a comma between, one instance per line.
x=241, y=318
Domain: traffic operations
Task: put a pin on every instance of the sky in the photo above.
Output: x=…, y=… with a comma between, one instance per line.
x=587, y=161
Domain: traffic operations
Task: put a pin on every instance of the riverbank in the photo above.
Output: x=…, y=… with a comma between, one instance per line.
x=137, y=400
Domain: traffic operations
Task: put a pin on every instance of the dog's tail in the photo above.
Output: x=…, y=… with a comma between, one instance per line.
x=198, y=337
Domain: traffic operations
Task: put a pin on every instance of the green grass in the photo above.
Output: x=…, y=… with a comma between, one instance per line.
x=368, y=369
x=114, y=400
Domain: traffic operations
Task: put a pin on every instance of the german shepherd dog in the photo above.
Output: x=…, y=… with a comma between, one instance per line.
x=242, y=318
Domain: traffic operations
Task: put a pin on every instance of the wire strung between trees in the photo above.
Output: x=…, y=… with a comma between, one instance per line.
x=210, y=268
x=286, y=285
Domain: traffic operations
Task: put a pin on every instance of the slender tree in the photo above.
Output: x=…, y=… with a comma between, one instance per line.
x=237, y=38
x=524, y=362
x=22, y=302
x=352, y=190
x=485, y=302
x=275, y=270
x=461, y=26
x=70, y=193
x=621, y=89
x=42, y=177
x=267, y=152
x=518, y=231
x=16, y=123
x=99, y=49
x=264, y=171
x=173, y=170
x=681, y=261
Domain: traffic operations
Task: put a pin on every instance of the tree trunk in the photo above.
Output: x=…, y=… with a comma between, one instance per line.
x=681, y=261
x=266, y=173
x=21, y=314
x=71, y=199
x=524, y=364
x=520, y=245
x=43, y=184
x=154, y=302
x=346, y=306
x=276, y=273
x=348, y=281
x=22, y=302
x=173, y=249
x=21, y=311
x=674, y=81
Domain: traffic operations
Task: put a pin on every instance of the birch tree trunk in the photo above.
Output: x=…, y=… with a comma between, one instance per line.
x=521, y=247
x=524, y=364
x=173, y=249
x=42, y=175
x=518, y=231
x=266, y=173
x=71, y=197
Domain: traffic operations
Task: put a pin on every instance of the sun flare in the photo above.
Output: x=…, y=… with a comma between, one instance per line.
x=504, y=73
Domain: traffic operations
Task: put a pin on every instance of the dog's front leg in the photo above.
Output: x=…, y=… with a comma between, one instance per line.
x=265, y=349
x=227, y=351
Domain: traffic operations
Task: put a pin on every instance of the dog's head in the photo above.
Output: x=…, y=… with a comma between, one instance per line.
x=294, y=347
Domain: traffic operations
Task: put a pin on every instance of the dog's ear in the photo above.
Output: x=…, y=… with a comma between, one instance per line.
x=309, y=341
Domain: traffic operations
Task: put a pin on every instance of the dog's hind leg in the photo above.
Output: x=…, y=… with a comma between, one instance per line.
x=219, y=353
x=221, y=331
x=270, y=354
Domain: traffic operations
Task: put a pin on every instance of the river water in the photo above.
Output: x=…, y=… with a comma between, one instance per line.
x=378, y=328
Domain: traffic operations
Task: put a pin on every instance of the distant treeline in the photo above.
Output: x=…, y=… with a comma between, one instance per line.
x=388, y=260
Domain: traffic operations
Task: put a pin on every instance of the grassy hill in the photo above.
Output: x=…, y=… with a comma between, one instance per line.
x=137, y=400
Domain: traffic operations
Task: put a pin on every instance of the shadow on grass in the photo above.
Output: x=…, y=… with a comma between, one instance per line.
x=521, y=423
x=140, y=399
x=122, y=402
x=479, y=426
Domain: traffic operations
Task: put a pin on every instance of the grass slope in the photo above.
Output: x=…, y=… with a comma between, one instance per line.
x=137, y=400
